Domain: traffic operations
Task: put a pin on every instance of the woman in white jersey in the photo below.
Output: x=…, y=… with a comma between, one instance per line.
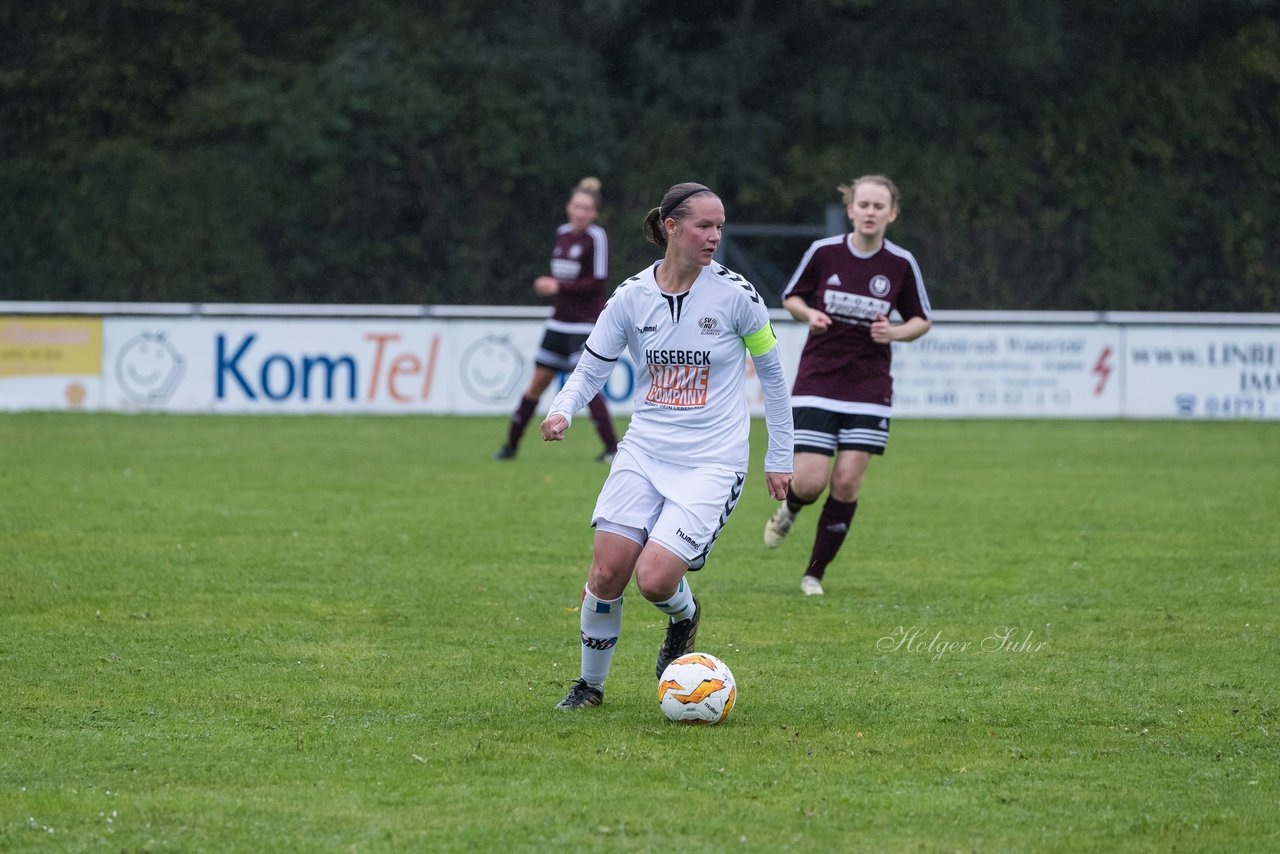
x=844, y=290
x=688, y=324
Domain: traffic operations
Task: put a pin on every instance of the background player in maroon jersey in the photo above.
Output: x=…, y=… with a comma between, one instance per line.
x=845, y=289
x=579, y=268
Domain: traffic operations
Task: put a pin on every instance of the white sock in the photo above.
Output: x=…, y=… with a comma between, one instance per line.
x=601, y=621
x=680, y=606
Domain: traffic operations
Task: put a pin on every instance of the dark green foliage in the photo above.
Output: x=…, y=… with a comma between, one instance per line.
x=1052, y=155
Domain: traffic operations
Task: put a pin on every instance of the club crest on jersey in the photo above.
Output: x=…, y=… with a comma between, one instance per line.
x=575, y=250
x=709, y=326
x=880, y=285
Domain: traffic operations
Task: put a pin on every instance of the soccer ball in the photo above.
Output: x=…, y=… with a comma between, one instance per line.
x=697, y=689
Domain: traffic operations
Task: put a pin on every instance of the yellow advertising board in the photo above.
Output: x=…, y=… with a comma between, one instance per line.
x=50, y=346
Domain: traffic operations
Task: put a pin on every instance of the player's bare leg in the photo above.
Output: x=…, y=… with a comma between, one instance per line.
x=660, y=575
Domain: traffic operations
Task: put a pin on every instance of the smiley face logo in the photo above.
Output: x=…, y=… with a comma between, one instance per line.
x=491, y=368
x=149, y=368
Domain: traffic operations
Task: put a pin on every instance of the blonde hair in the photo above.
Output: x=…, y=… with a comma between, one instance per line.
x=589, y=186
x=847, y=191
x=675, y=205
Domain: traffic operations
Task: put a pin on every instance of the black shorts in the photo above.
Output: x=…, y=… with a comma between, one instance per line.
x=821, y=431
x=559, y=351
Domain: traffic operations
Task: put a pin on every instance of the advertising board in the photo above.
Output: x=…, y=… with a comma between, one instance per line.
x=296, y=360
x=50, y=362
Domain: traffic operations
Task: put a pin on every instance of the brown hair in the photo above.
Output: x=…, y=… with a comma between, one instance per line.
x=847, y=190
x=675, y=205
x=591, y=187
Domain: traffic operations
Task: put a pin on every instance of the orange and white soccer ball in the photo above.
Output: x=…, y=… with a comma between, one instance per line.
x=697, y=688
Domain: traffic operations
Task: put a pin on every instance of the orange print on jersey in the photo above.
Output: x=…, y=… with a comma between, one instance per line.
x=681, y=386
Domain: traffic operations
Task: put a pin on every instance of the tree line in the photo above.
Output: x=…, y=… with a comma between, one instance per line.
x=1119, y=155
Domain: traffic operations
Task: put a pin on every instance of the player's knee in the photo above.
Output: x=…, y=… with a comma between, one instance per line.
x=658, y=581
x=846, y=489
x=808, y=488
x=607, y=581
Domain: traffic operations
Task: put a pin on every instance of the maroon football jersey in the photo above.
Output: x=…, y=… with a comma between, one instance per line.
x=843, y=369
x=580, y=263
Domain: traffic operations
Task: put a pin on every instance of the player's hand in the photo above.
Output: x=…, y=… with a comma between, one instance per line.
x=553, y=428
x=819, y=322
x=777, y=481
x=546, y=286
x=881, y=330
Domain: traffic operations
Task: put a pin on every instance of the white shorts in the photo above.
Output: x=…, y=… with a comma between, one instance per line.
x=683, y=508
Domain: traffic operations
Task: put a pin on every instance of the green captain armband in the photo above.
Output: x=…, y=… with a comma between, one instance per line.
x=761, y=341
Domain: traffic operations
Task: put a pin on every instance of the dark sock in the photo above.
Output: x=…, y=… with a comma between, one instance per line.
x=833, y=527
x=520, y=420
x=604, y=424
x=795, y=503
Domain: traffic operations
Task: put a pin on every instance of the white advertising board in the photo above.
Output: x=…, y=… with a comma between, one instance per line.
x=1222, y=372
x=70, y=392
x=487, y=366
x=1006, y=371
x=283, y=359
x=269, y=365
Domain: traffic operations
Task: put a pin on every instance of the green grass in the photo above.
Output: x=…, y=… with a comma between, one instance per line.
x=322, y=633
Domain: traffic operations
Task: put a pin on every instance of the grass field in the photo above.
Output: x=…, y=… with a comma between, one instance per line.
x=347, y=634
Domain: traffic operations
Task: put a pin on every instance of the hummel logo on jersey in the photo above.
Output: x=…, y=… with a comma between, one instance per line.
x=644, y=329
x=834, y=280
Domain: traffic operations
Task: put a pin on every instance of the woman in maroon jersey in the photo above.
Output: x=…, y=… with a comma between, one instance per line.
x=844, y=290
x=579, y=268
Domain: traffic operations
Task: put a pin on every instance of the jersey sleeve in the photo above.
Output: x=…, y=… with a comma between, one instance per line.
x=583, y=384
x=608, y=337
x=804, y=281
x=751, y=319
x=605, y=344
x=777, y=410
x=912, y=299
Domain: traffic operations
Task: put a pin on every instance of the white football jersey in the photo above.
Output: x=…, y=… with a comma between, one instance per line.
x=690, y=404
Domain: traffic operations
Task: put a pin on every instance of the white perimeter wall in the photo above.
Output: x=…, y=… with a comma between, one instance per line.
x=478, y=360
